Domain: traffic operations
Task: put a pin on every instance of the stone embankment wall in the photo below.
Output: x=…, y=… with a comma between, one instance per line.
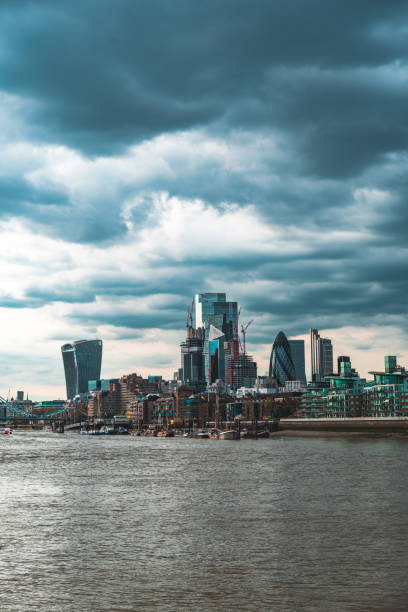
x=363, y=424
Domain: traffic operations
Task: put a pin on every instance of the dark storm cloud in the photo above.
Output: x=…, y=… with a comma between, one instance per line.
x=312, y=94
x=103, y=74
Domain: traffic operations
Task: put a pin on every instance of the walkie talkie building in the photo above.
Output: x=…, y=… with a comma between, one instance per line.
x=82, y=362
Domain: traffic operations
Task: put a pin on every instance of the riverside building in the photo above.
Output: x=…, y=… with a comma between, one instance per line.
x=347, y=395
x=387, y=394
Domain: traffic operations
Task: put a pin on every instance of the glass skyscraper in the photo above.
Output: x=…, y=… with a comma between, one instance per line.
x=321, y=355
x=82, y=362
x=212, y=309
x=216, y=353
x=281, y=365
x=297, y=349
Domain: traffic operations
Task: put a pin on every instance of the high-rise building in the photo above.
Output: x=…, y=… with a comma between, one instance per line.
x=321, y=356
x=212, y=309
x=326, y=356
x=216, y=354
x=297, y=349
x=241, y=371
x=192, y=362
x=82, y=362
x=281, y=366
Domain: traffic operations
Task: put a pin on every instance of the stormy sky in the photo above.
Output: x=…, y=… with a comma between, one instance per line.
x=154, y=149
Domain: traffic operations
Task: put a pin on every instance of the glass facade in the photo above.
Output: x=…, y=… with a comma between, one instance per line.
x=297, y=349
x=212, y=310
x=216, y=355
x=192, y=362
x=321, y=356
x=281, y=366
x=82, y=361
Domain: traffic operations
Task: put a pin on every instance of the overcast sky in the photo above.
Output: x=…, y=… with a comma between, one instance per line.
x=154, y=149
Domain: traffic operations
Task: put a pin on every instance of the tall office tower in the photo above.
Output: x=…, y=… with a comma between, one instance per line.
x=192, y=362
x=212, y=309
x=315, y=354
x=281, y=366
x=297, y=349
x=326, y=356
x=321, y=355
x=240, y=371
x=216, y=352
x=82, y=362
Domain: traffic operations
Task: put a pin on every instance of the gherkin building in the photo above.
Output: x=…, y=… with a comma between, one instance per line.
x=281, y=366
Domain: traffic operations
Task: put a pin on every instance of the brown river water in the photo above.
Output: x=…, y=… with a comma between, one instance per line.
x=126, y=523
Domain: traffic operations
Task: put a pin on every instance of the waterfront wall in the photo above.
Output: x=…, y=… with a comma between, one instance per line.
x=359, y=424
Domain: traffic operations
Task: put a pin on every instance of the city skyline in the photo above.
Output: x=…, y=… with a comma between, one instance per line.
x=144, y=370
x=215, y=148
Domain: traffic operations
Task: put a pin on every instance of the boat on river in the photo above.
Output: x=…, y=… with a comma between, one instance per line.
x=5, y=430
x=228, y=434
x=202, y=435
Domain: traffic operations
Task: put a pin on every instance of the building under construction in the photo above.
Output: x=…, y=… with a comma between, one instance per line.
x=213, y=349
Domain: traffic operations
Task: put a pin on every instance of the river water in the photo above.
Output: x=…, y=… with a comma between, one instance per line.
x=124, y=523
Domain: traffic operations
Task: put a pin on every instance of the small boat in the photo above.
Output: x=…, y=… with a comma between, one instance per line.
x=263, y=434
x=5, y=430
x=107, y=431
x=92, y=432
x=122, y=431
x=229, y=434
x=202, y=435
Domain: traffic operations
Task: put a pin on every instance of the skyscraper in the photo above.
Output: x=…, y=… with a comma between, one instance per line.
x=297, y=349
x=82, y=362
x=192, y=360
x=212, y=309
x=216, y=354
x=281, y=365
x=321, y=355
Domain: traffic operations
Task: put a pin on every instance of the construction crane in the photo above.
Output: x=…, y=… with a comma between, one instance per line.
x=189, y=325
x=243, y=331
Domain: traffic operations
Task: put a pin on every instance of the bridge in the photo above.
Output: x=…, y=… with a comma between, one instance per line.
x=14, y=413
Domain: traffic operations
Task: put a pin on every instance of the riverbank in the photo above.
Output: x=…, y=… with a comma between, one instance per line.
x=308, y=433
x=381, y=427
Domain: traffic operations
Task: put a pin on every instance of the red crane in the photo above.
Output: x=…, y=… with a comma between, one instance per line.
x=244, y=330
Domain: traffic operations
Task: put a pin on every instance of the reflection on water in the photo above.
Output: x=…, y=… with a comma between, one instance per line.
x=181, y=524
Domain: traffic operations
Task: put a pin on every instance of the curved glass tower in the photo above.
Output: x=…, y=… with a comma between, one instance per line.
x=281, y=364
x=82, y=362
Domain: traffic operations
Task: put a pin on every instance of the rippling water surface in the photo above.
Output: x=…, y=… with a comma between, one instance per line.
x=124, y=523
